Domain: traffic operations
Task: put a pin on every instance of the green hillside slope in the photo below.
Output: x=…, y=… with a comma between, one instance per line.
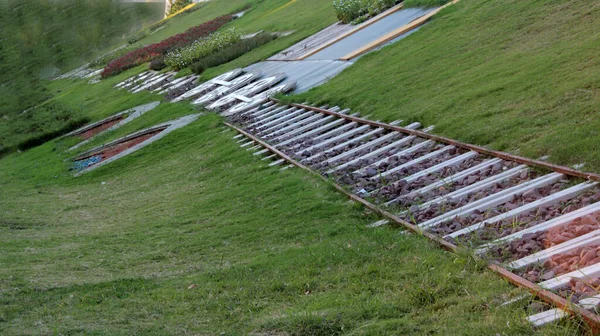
x=521, y=76
x=192, y=235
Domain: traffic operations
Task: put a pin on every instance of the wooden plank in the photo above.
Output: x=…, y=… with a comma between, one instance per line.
x=493, y=200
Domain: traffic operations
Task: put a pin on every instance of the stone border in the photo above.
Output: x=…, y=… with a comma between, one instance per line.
x=171, y=126
x=133, y=113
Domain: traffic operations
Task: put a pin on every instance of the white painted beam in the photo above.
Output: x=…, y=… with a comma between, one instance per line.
x=494, y=200
x=541, y=256
x=399, y=143
x=283, y=123
x=475, y=187
x=545, y=201
x=429, y=156
x=555, y=222
x=448, y=163
x=456, y=177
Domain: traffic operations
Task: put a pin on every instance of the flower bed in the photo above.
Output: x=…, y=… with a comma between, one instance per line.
x=183, y=57
x=106, y=58
x=354, y=10
x=152, y=51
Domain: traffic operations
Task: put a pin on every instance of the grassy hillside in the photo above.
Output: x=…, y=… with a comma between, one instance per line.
x=521, y=76
x=193, y=235
x=39, y=40
x=303, y=17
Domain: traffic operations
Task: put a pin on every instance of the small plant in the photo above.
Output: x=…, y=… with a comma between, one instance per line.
x=158, y=63
x=177, y=5
x=353, y=11
x=138, y=36
x=183, y=57
x=232, y=52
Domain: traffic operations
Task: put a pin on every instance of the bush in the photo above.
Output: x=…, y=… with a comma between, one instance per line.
x=138, y=36
x=350, y=10
x=158, y=63
x=183, y=57
x=177, y=5
x=157, y=25
x=152, y=51
x=147, y=31
x=232, y=52
x=425, y=3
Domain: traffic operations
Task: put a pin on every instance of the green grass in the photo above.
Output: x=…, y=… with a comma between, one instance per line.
x=519, y=76
x=70, y=103
x=304, y=16
x=193, y=235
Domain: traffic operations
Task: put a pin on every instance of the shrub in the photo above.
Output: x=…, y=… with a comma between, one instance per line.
x=350, y=10
x=183, y=57
x=138, y=36
x=158, y=63
x=157, y=25
x=425, y=3
x=232, y=52
x=177, y=5
x=152, y=51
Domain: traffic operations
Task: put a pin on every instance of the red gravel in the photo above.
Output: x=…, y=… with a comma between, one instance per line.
x=104, y=126
x=562, y=264
x=533, y=242
x=115, y=149
x=579, y=289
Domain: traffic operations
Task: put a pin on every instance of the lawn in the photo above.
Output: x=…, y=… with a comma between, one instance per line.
x=193, y=235
x=519, y=76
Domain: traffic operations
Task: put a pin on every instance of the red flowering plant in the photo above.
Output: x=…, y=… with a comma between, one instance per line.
x=153, y=51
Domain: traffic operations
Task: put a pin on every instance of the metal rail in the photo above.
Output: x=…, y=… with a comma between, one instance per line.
x=544, y=294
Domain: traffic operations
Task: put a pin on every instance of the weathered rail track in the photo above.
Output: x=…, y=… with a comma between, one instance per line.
x=537, y=224
x=512, y=210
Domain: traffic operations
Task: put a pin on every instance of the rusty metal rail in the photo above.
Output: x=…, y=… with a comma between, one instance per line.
x=290, y=120
x=479, y=149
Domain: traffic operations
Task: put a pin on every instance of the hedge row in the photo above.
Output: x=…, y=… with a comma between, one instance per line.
x=183, y=57
x=348, y=11
x=232, y=52
x=150, y=52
